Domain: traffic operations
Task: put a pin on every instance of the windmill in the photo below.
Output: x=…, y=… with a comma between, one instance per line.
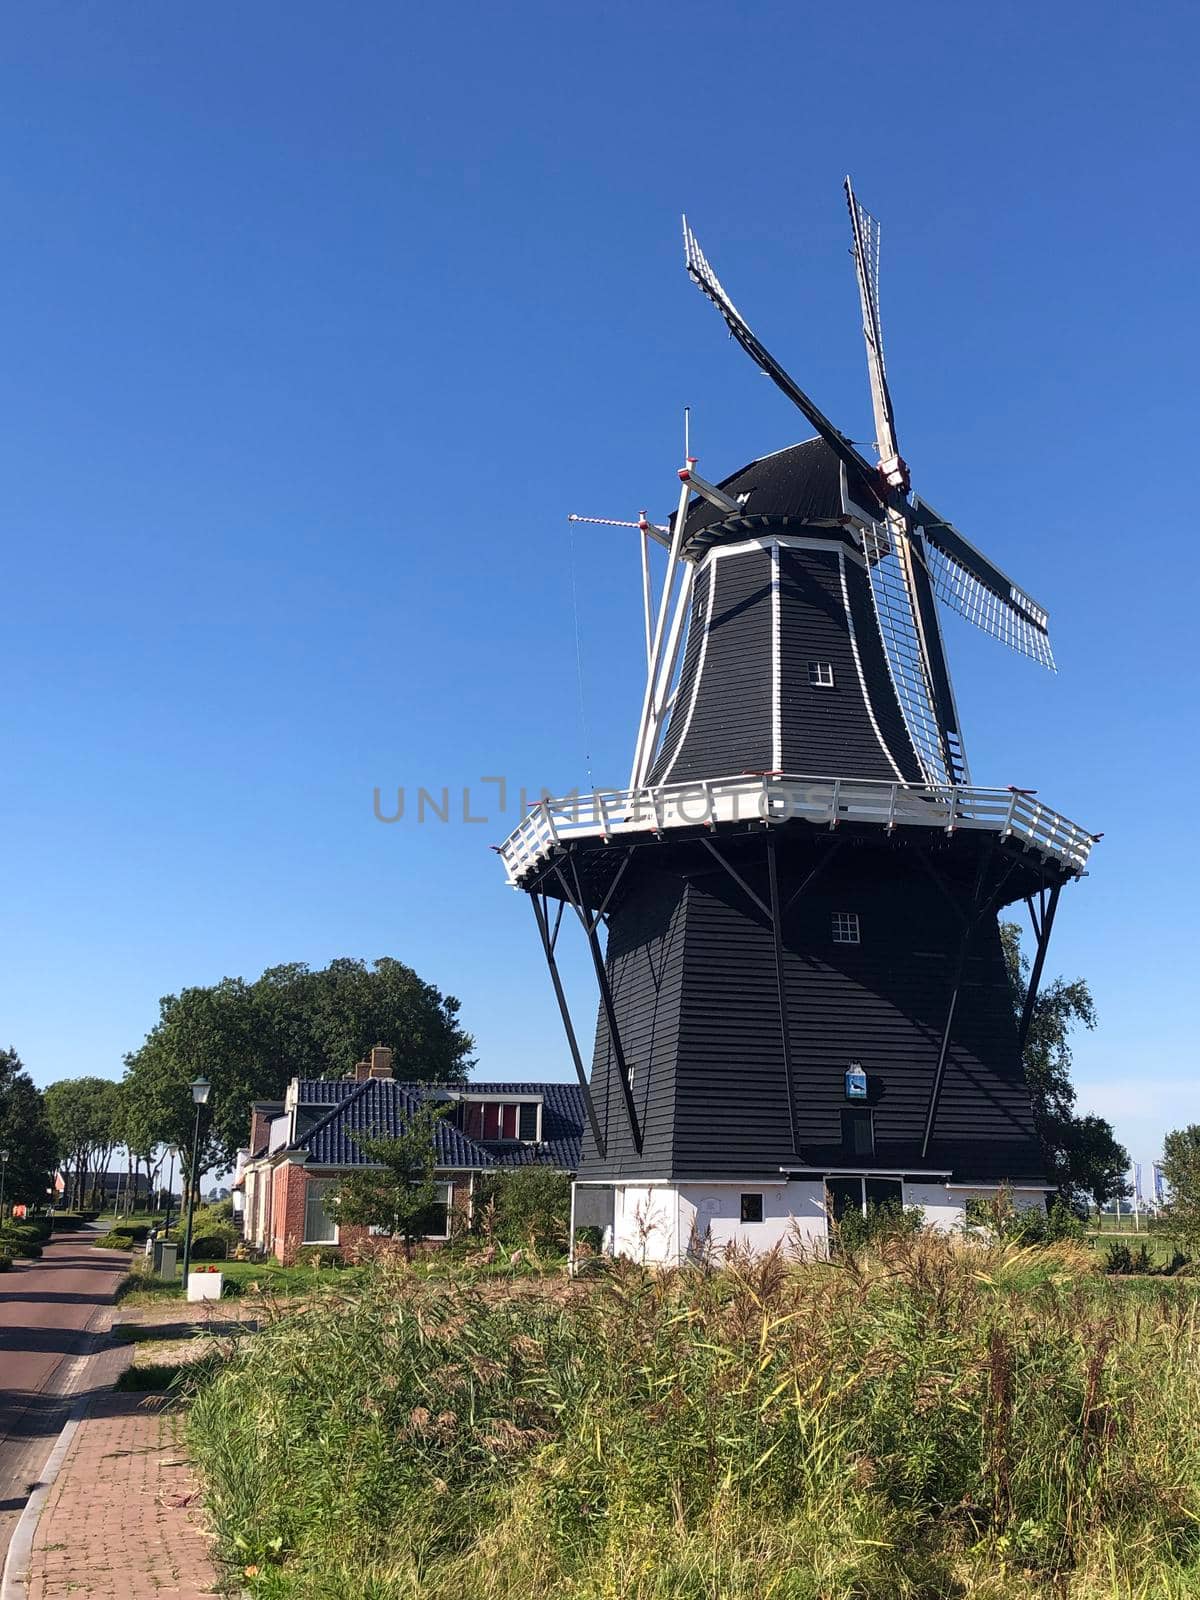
x=913, y=552
x=792, y=907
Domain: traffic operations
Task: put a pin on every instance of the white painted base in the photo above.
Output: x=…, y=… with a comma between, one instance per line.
x=205, y=1285
x=669, y=1224
x=666, y=1225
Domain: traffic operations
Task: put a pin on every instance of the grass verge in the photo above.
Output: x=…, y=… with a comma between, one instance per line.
x=946, y=1420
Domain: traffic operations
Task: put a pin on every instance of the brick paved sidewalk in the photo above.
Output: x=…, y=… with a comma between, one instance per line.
x=123, y=1521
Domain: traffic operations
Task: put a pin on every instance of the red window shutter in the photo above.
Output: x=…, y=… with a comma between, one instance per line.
x=509, y=1125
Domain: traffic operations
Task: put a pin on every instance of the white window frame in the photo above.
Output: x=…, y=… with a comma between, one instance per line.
x=322, y=1187
x=845, y=928
x=820, y=675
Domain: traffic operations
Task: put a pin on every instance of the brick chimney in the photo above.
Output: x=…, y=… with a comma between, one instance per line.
x=359, y=1072
x=260, y=1126
x=381, y=1061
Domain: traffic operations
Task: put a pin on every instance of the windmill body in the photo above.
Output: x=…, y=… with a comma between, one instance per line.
x=793, y=908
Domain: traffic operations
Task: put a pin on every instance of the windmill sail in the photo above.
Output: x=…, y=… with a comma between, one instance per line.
x=966, y=581
x=707, y=281
x=866, y=233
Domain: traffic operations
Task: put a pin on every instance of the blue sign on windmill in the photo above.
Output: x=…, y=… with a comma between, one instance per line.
x=856, y=1081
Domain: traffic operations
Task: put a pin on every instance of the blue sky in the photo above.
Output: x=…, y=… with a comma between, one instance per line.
x=317, y=320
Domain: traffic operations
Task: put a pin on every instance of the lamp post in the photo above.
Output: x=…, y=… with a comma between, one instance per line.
x=3, y=1177
x=200, y=1088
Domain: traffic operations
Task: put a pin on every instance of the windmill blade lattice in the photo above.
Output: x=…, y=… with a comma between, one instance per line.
x=905, y=650
x=970, y=584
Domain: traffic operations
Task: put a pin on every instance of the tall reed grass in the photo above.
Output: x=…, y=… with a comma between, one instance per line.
x=944, y=1420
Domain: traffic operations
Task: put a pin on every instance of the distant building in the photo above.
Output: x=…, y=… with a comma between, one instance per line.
x=301, y=1146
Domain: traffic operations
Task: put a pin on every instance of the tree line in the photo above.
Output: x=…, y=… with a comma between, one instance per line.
x=247, y=1039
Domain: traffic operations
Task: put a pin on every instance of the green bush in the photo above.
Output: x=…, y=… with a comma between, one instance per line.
x=1122, y=1261
x=6, y=1263
x=66, y=1221
x=114, y=1240
x=320, y=1255
x=213, y=1234
x=28, y=1248
x=138, y=1232
x=890, y=1220
x=524, y=1206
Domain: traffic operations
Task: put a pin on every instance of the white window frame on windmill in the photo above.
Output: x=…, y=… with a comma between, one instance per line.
x=845, y=928
x=820, y=675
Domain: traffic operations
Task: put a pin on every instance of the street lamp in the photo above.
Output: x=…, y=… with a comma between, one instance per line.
x=3, y=1176
x=200, y=1088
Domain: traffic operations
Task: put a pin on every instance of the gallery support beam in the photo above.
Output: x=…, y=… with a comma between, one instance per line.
x=607, y=1003
x=572, y=1043
x=1041, y=927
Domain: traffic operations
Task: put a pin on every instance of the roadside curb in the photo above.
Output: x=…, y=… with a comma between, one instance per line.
x=14, y=1584
x=14, y=1578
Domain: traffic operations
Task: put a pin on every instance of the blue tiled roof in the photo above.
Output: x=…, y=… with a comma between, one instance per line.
x=382, y=1108
x=324, y=1091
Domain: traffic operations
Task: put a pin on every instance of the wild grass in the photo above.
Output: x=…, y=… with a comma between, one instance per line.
x=943, y=1419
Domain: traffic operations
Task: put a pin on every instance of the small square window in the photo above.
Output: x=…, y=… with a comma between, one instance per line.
x=820, y=674
x=845, y=927
x=752, y=1208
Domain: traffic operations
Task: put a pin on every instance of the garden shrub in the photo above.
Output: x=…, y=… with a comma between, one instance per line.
x=6, y=1263
x=213, y=1234
x=524, y=1206
x=889, y=1220
x=320, y=1255
x=1122, y=1261
x=114, y=1240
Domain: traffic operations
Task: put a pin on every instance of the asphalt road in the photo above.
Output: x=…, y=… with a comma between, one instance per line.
x=45, y=1309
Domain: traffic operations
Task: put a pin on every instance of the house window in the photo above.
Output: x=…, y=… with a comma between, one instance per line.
x=500, y=1119
x=319, y=1226
x=437, y=1218
x=858, y=1133
x=845, y=927
x=820, y=675
x=752, y=1208
x=435, y=1224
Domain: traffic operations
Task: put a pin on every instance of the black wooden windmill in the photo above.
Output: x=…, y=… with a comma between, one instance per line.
x=792, y=910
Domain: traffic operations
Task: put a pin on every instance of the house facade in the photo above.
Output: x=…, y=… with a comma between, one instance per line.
x=303, y=1145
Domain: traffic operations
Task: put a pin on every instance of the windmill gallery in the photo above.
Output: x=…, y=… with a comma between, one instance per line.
x=792, y=910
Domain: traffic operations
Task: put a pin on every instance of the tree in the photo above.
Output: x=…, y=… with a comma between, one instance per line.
x=398, y=1193
x=1082, y=1155
x=85, y=1116
x=26, y=1134
x=1181, y=1168
x=248, y=1039
x=525, y=1205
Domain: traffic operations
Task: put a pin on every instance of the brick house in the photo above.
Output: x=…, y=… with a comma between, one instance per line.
x=302, y=1145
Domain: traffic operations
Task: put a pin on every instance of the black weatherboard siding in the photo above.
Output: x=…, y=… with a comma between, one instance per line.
x=691, y=962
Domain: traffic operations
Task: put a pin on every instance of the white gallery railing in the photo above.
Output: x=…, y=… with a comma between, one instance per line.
x=780, y=797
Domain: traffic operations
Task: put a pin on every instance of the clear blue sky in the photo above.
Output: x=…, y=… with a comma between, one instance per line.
x=317, y=319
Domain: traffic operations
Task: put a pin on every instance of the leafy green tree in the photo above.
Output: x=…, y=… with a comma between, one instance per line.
x=398, y=1193
x=525, y=1205
x=85, y=1116
x=26, y=1134
x=1181, y=1169
x=248, y=1039
x=1082, y=1155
